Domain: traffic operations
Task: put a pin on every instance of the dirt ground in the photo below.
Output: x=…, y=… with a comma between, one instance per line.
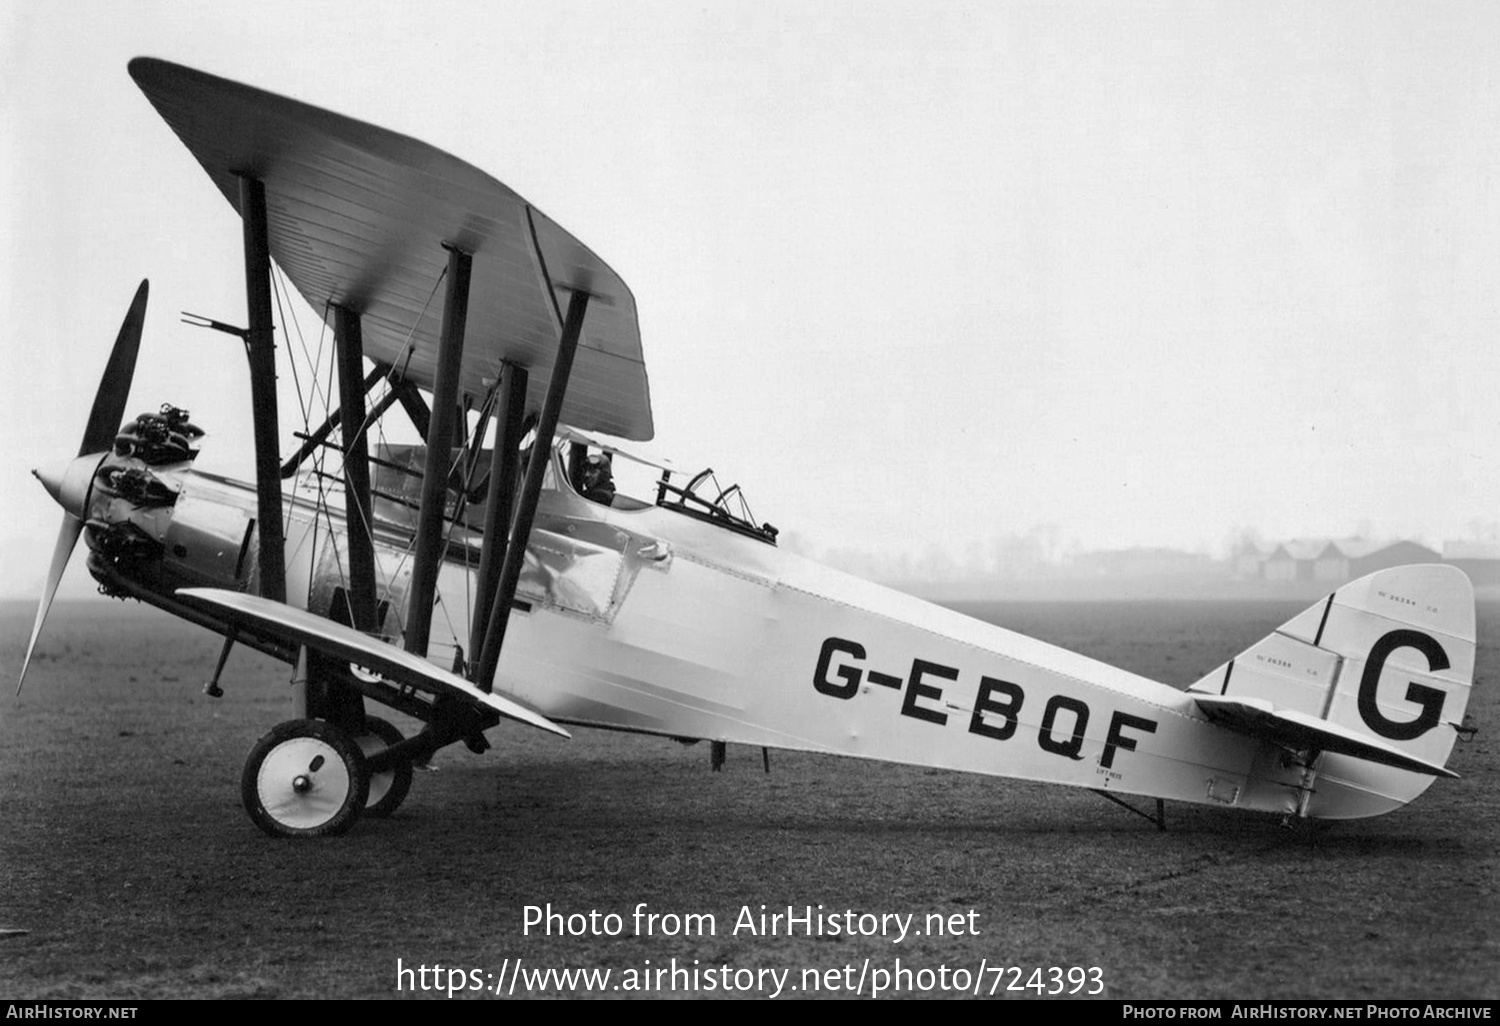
x=128, y=863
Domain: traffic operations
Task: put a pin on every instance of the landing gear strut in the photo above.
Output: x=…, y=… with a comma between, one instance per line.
x=388, y=787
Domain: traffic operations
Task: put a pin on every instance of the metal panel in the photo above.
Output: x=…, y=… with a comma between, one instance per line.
x=205, y=541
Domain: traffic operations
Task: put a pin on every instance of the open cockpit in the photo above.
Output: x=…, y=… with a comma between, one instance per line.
x=606, y=472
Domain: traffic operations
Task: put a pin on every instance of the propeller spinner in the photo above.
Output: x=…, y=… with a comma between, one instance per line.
x=69, y=484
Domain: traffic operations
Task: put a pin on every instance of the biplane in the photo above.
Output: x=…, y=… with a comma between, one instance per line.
x=499, y=571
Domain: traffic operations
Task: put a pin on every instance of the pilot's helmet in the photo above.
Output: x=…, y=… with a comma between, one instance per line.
x=599, y=463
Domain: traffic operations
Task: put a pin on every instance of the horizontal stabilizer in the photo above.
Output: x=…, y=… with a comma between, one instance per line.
x=1258, y=718
x=397, y=665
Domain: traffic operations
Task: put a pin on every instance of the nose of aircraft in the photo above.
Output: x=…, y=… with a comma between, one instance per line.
x=68, y=482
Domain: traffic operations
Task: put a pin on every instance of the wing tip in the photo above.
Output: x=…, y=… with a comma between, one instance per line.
x=146, y=69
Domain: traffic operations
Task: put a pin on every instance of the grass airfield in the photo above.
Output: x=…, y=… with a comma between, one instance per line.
x=134, y=873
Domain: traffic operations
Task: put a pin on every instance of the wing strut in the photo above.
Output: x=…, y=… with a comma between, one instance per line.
x=440, y=435
x=536, y=467
x=412, y=404
x=260, y=348
x=348, y=340
x=500, y=501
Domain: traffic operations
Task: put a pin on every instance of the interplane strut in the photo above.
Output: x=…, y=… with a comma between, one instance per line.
x=439, y=457
x=260, y=348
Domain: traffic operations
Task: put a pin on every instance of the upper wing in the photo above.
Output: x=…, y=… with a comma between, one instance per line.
x=346, y=643
x=358, y=216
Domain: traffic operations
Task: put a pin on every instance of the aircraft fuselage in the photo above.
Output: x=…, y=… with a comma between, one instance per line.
x=649, y=621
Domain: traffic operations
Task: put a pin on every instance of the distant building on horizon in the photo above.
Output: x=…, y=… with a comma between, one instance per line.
x=1331, y=560
x=1247, y=558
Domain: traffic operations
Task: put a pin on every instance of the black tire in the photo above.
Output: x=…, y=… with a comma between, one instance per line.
x=306, y=778
x=388, y=788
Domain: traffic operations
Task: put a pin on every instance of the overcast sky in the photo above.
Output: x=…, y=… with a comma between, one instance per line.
x=909, y=272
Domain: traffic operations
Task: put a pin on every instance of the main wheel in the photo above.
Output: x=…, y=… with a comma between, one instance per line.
x=305, y=778
x=388, y=787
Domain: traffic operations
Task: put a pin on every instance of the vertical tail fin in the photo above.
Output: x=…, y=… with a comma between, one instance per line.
x=1387, y=660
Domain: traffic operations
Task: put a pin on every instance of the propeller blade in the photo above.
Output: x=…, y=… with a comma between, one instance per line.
x=98, y=435
x=67, y=537
x=114, y=386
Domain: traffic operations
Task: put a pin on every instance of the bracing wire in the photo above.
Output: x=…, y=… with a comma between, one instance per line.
x=305, y=400
x=324, y=506
x=314, y=391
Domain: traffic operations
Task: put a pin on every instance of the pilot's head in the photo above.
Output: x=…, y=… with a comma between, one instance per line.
x=597, y=469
